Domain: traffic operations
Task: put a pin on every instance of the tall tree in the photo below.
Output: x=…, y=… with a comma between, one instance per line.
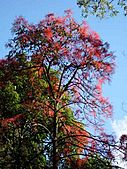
x=51, y=84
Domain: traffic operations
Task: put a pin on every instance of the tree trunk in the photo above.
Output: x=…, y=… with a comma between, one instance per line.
x=54, y=142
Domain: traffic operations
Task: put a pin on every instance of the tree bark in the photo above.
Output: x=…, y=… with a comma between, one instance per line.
x=54, y=142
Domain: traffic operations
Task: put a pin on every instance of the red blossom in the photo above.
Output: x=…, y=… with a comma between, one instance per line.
x=12, y=120
x=48, y=33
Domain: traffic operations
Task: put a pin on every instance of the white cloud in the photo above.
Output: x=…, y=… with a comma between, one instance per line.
x=120, y=127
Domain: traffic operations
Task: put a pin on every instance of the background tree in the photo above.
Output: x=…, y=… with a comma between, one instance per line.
x=54, y=74
x=102, y=8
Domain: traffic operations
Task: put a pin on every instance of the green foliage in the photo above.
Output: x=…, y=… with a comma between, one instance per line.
x=22, y=147
x=92, y=162
x=98, y=162
x=102, y=8
x=9, y=100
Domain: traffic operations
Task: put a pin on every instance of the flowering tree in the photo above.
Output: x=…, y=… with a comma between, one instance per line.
x=51, y=84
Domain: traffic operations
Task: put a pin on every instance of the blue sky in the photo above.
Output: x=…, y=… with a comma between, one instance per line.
x=113, y=30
